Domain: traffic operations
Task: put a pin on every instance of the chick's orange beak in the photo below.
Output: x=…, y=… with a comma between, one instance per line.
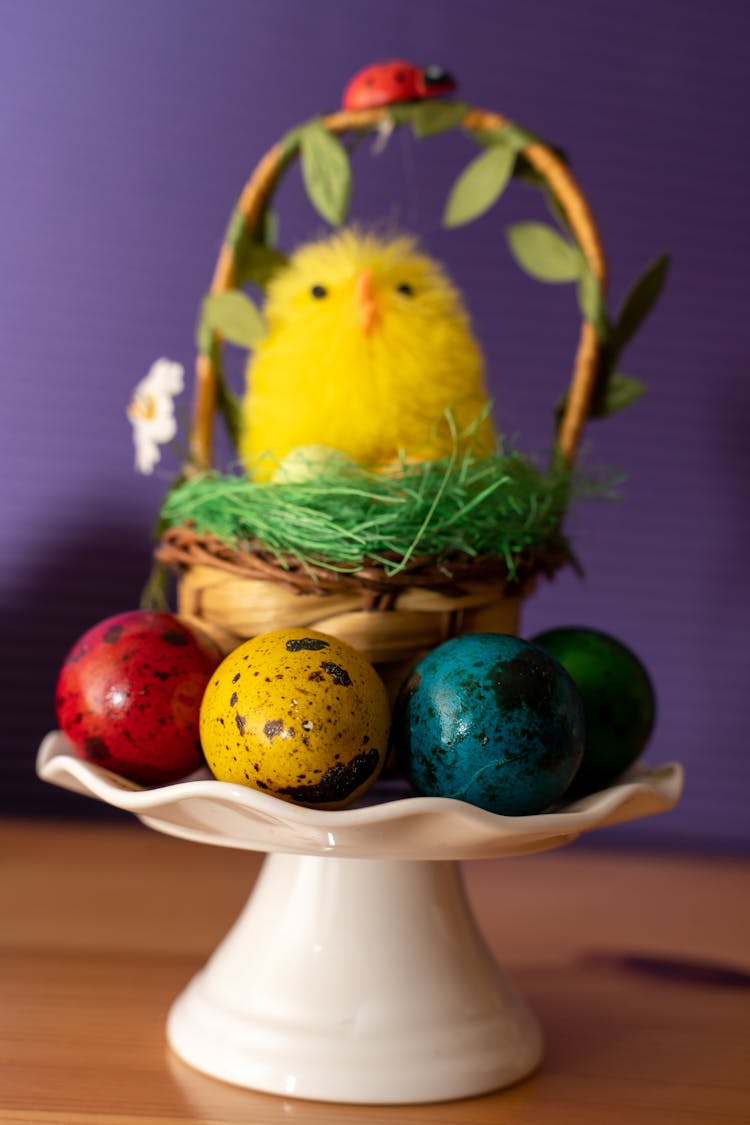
x=364, y=301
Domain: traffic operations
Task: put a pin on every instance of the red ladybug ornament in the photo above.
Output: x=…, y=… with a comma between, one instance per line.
x=129, y=693
x=396, y=81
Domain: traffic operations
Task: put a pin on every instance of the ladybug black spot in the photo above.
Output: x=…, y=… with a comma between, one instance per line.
x=319, y=291
x=405, y=288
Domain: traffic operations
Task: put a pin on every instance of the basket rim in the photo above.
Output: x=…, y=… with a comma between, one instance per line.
x=182, y=547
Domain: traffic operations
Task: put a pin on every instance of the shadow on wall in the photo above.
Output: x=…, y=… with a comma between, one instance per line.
x=98, y=570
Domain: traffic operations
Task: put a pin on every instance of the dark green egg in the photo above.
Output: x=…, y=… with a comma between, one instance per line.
x=618, y=701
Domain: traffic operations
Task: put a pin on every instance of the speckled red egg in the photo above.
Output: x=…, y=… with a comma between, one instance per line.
x=129, y=692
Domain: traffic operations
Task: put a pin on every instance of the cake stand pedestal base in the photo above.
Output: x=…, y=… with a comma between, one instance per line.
x=356, y=974
x=359, y=981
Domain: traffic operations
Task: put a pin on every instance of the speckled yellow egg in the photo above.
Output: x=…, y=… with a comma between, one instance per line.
x=297, y=714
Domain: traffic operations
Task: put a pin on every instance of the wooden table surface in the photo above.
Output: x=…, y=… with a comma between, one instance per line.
x=637, y=965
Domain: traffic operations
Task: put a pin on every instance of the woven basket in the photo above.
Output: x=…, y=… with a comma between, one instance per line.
x=235, y=592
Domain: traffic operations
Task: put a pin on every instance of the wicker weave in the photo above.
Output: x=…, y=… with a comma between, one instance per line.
x=239, y=591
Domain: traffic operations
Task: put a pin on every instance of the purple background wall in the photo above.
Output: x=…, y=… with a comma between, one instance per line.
x=126, y=131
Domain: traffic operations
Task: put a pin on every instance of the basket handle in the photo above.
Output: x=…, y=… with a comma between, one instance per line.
x=563, y=186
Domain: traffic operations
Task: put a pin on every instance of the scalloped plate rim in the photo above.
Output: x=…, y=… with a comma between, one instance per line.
x=56, y=761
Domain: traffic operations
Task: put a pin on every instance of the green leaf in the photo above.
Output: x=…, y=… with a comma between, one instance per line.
x=236, y=229
x=257, y=263
x=639, y=302
x=326, y=172
x=255, y=260
x=613, y=393
x=480, y=185
x=234, y=316
x=289, y=144
x=485, y=138
x=430, y=118
x=527, y=173
x=591, y=300
x=620, y=392
x=514, y=136
x=519, y=139
x=402, y=113
x=268, y=228
x=203, y=334
x=555, y=209
x=543, y=253
x=155, y=593
x=229, y=406
x=264, y=231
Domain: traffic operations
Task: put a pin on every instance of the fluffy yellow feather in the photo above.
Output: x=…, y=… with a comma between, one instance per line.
x=368, y=344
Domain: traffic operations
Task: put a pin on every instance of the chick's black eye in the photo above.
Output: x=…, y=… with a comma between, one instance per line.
x=405, y=288
x=319, y=291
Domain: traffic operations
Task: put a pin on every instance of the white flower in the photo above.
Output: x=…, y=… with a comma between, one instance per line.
x=151, y=411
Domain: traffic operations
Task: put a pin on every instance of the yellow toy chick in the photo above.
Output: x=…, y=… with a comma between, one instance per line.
x=368, y=344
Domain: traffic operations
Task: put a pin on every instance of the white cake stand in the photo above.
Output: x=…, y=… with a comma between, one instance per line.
x=356, y=972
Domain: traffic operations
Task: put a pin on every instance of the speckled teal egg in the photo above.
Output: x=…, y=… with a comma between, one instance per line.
x=492, y=720
x=618, y=700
